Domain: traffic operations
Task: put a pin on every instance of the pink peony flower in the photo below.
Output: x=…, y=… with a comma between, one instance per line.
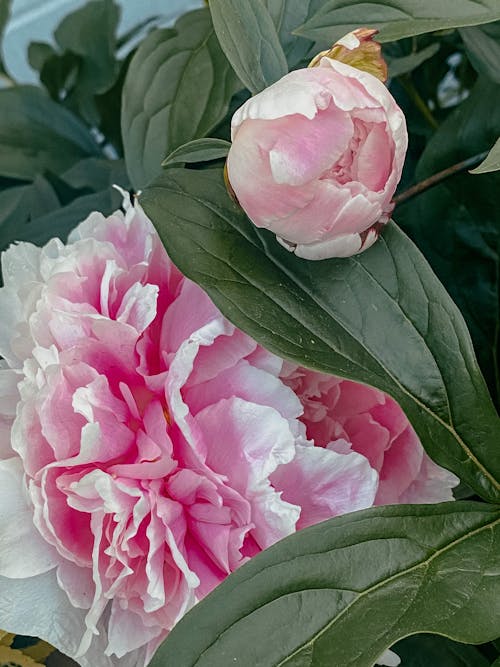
x=316, y=158
x=149, y=448
x=347, y=416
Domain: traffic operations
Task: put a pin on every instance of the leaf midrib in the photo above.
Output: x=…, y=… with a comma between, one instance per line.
x=423, y=564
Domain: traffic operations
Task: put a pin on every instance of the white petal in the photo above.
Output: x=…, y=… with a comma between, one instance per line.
x=127, y=631
x=23, y=551
x=36, y=606
x=21, y=264
x=342, y=246
x=290, y=95
x=11, y=309
x=389, y=659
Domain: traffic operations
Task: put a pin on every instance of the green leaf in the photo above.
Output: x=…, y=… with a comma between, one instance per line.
x=109, y=107
x=136, y=30
x=178, y=88
x=39, y=53
x=37, y=212
x=405, y=64
x=483, y=48
x=496, y=663
x=397, y=19
x=90, y=32
x=60, y=222
x=429, y=650
x=38, y=135
x=198, y=150
x=491, y=162
x=23, y=219
x=381, y=318
x=455, y=223
x=288, y=15
x=20, y=205
x=343, y=591
x=249, y=39
x=97, y=174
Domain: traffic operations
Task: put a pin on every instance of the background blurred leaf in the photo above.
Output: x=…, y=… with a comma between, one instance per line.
x=381, y=317
x=90, y=33
x=397, y=19
x=249, y=39
x=86, y=63
x=97, y=174
x=341, y=592
x=432, y=650
x=39, y=53
x=404, y=64
x=38, y=135
x=4, y=18
x=59, y=660
x=456, y=223
x=178, y=87
x=61, y=221
x=483, y=48
x=41, y=210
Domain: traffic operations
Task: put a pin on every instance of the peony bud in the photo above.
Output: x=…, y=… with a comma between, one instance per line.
x=317, y=156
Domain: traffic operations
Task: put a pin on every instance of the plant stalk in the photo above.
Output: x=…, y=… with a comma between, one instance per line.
x=414, y=95
x=433, y=180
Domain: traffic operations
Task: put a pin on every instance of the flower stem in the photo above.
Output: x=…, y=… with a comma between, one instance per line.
x=414, y=95
x=440, y=176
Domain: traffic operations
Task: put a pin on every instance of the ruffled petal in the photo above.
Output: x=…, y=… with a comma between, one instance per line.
x=23, y=551
x=324, y=483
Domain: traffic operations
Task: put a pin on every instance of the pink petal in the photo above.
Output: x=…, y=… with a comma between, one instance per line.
x=325, y=484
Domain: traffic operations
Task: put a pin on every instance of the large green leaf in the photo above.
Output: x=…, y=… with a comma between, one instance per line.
x=178, y=88
x=432, y=650
x=395, y=19
x=38, y=135
x=249, y=39
x=341, y=592
x=381, y=318
x=456, y=223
